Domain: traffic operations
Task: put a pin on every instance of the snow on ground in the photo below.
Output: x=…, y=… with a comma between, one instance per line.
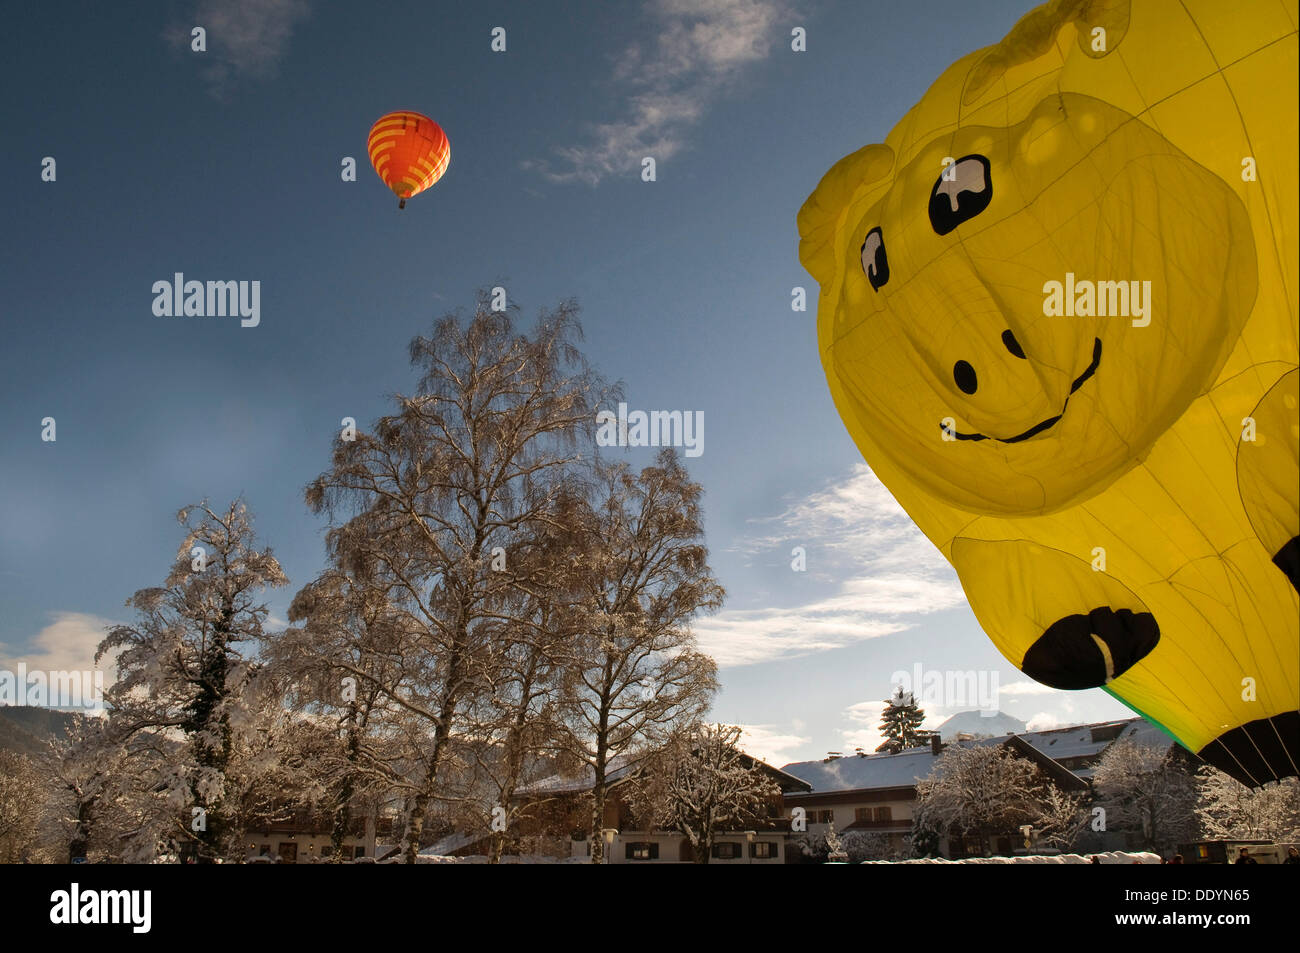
x=1106, y=857
x=505, y=859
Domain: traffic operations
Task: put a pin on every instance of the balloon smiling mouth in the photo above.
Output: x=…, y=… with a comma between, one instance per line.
x=1042, y=425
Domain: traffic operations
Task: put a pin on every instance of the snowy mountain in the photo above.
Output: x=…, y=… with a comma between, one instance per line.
x=978, y=724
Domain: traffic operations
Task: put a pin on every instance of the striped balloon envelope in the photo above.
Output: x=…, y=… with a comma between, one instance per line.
x=409, y=151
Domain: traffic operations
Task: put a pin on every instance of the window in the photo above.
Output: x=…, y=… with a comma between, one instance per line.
x=642, y=851
x=878, y=814
x=825, y=817
x=726, y=851
x=359, y=852
x=762, y=850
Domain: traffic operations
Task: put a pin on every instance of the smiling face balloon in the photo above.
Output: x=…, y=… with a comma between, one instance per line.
x=1058, y=317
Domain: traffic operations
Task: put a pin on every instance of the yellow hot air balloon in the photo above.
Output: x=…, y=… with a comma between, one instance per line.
x=1058, y=317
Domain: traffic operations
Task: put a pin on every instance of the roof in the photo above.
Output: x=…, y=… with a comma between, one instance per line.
x=904, y=769
x=452, y=843
x=865, y=771
x=623, y=766
x=1089, y=741
x=617, y=770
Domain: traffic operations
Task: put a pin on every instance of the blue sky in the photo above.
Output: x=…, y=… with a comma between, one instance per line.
x=225, y=165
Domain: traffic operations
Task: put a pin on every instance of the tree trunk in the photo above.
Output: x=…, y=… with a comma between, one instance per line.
x=598, y=817
x=343, y=797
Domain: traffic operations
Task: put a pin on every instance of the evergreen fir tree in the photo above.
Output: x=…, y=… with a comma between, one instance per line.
x=901, y=722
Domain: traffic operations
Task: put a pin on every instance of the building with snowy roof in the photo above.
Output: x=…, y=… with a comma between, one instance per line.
x=876, y=793
x=556, y=813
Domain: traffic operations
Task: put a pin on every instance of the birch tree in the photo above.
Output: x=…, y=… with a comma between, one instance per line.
x=427, y=505
x=337, y=665
x=636, y=677
x=519, y=719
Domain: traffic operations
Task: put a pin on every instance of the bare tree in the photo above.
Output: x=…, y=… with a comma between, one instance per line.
x=436, y=495
x=1148, y=792
x=185, y=681
x=701, y=784
x=636, y=678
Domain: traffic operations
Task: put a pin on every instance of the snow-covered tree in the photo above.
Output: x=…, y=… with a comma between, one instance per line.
x=22, y=797
x=701, y=784
x=867, y=845
x=900, y=723
x=1148, y=792
x=1061, y=818
x=337, y=666
x=981, y=792
x=634, y=678
x=86, y=772
x=518, y=722
x=436, y=496
x=184, y=704
x=1228, y=809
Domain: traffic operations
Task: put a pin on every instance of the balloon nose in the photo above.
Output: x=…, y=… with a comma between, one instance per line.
x=963, y=372
x=964, y=375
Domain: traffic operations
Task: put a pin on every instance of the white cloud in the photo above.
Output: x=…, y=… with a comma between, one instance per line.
x=768, y=743
x=857, y=537
x=66, y=645
x=245, y=38
x=1028, y=688
x=865, y=717
x=1043, y=721
x=700, y=49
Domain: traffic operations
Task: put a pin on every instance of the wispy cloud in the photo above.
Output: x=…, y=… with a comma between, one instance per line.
x=700, y=49
x=245, y=38
x=883, y=571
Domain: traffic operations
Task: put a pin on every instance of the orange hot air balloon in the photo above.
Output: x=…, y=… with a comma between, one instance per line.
x=409, y=151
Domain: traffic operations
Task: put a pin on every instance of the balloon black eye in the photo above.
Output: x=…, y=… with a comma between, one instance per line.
x=875, y=265
x=1012, y=344
x=964, y=189
x=964, y=375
